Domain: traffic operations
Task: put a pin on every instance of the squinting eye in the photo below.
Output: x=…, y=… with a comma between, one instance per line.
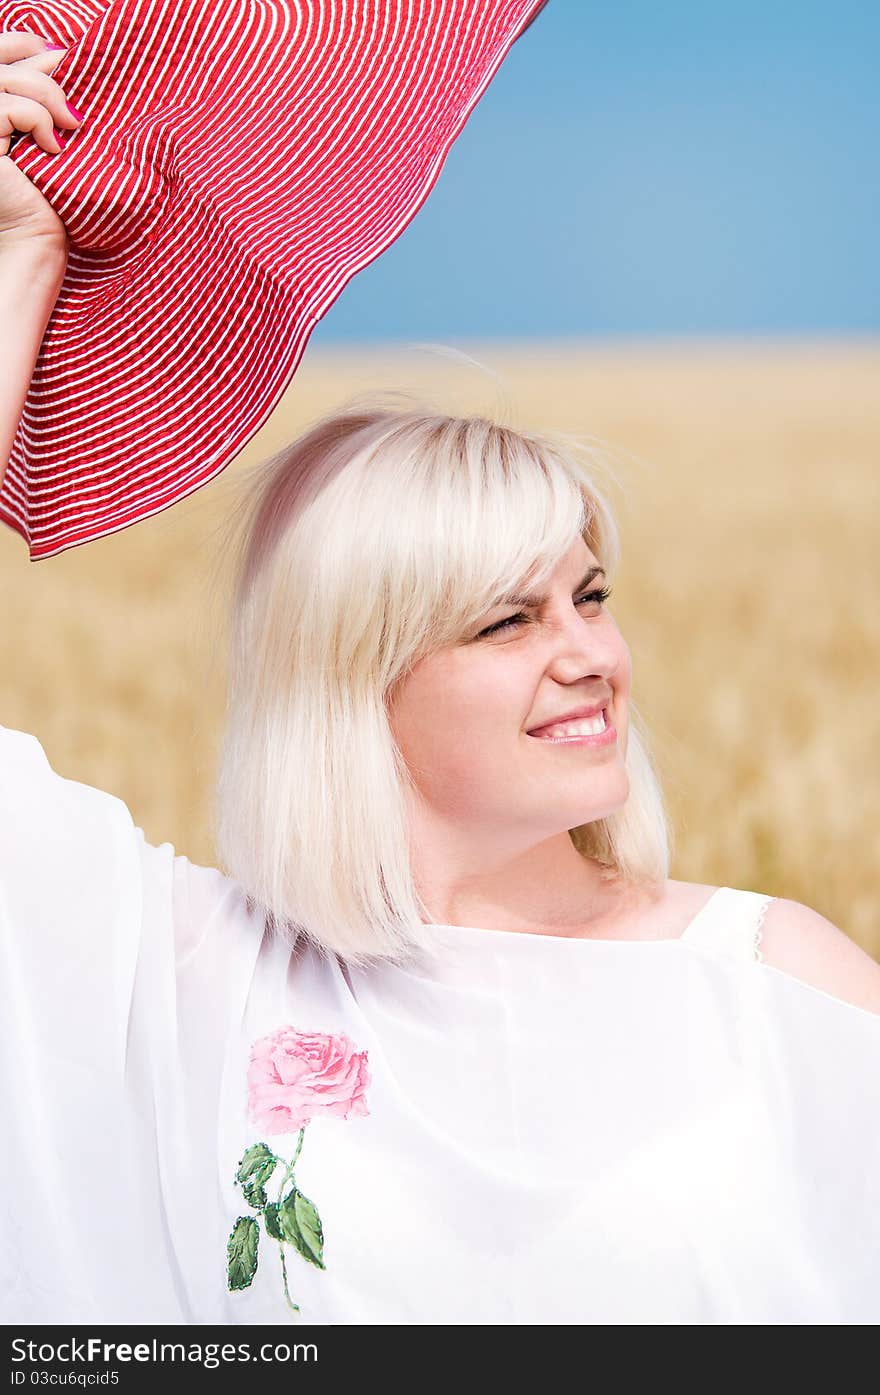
x=600, y=596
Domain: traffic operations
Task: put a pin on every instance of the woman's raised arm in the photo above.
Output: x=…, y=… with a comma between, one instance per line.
x=33, y=241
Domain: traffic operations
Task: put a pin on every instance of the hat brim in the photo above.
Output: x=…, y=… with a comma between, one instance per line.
x=235, y=168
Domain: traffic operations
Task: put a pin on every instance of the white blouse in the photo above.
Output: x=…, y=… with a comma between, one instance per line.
x=536, y=1129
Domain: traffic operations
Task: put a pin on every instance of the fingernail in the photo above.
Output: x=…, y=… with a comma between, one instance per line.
x=60, y=139
x=74, y=113
x=57, y=46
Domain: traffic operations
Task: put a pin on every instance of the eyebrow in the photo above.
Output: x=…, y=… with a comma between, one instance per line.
x=516, y=598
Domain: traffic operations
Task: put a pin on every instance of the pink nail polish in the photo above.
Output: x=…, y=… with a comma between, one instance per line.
x=73, y=111
x=56, y=46
x=60, y=139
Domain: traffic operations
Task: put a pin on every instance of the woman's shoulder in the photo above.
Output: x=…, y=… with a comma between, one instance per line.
x=804, y=943
x=798, y=941
x=207, y=904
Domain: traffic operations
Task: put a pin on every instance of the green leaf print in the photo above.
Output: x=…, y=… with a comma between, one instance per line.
x=254, y=1194
x=301, y=1225
x=241, y=1252
x=270, y=1216
x=256, y=1167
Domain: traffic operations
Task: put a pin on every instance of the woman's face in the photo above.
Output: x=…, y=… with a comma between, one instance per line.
x=462, y=718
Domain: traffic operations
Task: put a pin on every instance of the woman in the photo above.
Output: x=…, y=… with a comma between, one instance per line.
x=445, y=1044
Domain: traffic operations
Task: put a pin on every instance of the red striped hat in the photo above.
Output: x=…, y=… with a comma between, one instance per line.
x=238, y=162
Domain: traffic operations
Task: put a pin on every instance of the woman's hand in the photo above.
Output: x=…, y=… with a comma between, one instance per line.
x=33, y=239
x=30, y=101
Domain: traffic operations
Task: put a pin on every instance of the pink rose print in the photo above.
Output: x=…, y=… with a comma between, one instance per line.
x=296, y=1076
x=292, y=1078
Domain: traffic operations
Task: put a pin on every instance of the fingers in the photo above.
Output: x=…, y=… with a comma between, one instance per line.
x=20, y=43
x=19, y=80
x=45, y=62
x=22, y=114
x=30, y=99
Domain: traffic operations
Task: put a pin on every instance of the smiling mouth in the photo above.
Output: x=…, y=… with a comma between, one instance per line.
x=576, y=726
x=582, y=731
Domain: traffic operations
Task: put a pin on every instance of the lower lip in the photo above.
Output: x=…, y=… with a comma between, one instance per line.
x=601, y=738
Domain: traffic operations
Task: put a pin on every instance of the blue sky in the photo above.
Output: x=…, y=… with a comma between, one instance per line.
x=651, y=169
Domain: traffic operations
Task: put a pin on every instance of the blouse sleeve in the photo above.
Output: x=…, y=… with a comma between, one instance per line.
x=94, y=925
x=70, y=913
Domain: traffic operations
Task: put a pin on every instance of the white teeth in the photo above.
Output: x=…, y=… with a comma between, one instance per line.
x=585, y=726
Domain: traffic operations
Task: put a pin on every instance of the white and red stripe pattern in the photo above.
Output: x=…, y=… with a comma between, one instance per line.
x=238, y=162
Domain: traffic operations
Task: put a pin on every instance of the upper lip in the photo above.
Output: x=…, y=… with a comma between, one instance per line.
x=572, y=716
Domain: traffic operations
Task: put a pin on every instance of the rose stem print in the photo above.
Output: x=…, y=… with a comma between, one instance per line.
x=292, y=1077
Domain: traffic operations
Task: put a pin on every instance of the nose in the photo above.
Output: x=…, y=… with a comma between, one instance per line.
x=584, y=647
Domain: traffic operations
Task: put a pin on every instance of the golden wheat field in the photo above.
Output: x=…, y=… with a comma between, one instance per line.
x=747, y=486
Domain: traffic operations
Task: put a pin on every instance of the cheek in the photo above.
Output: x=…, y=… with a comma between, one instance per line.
x=622, y=693
x=620, y=677
x=624, y=674
x=456, y=737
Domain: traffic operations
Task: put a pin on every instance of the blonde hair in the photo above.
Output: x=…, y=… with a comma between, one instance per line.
x=377, y=536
